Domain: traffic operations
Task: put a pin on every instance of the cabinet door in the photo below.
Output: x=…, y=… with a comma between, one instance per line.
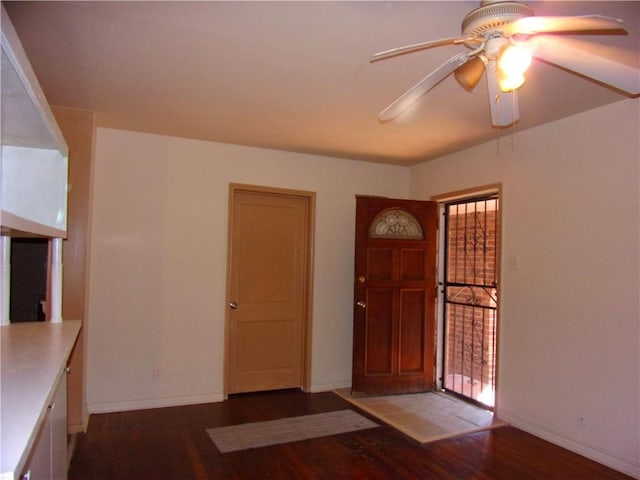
x=58, y=426
x=39, y=464
x=48, y=458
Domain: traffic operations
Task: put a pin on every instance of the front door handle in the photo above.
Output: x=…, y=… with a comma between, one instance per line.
x=233, y=306
x=361, y=304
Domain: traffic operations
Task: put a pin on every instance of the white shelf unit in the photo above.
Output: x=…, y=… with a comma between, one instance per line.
x=33, y=203
x=34, y=154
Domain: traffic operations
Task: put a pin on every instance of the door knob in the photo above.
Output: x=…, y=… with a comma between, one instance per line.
x=361, y=304
x=233, y=306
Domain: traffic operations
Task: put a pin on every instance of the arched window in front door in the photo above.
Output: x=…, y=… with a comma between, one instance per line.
x=397, y=224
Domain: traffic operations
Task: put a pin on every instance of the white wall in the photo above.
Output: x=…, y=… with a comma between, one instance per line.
x=158, y=262
x=569, y=356
x=569, y=334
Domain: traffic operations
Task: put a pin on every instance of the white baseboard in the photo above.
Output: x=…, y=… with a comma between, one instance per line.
x=110, y=407
x=329, y=387
x=604, y=459
x=124, y=406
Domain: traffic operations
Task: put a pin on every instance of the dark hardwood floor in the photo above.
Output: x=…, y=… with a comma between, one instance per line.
x=171, y=443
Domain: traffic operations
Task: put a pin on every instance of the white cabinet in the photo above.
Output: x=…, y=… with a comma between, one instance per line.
x=48, y=458
x=34, y=155
x=33, y=417
x=58, y=431
x=40, y=460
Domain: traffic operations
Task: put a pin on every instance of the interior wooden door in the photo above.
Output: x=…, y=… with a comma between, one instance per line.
x=269, y=264
x=395, y=289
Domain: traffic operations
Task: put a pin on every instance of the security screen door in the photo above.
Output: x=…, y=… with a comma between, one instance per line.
x=471, y=298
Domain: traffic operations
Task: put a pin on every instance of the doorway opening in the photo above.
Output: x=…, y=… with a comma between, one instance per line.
x=28, y=287
x=469, y=293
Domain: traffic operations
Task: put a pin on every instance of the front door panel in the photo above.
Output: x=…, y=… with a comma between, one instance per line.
x=394, y=311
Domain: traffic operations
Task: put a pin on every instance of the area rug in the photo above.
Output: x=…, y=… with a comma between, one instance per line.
x=425, y=417
x=285, y=430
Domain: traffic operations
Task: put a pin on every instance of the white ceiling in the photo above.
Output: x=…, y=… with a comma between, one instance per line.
x=292, y=75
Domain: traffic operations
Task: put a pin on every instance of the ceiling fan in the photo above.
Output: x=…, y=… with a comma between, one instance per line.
x=502, y=37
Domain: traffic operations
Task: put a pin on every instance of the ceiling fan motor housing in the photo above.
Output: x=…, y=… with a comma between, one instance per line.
x=491, y=16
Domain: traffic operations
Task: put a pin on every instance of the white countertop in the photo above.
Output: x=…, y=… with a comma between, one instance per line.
x=33, y=357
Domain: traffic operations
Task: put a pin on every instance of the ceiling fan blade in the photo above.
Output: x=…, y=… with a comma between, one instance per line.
x=584, y=23
x=503, y=105
x=418, y=46
x=562, y=53
x=423, y=86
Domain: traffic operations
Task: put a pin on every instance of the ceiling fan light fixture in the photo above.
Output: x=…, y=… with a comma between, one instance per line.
x=514, y=59
x=498, y=35
x=510, y=83
x=469, y=74
x=513, y=62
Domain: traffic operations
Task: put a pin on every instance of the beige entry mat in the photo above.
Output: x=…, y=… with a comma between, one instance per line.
x=425, y=417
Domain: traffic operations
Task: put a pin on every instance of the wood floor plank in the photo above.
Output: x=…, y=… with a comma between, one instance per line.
x=172, y=444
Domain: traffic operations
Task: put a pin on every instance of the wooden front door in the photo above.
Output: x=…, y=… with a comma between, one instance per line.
x=268, y=289
x=395, y=289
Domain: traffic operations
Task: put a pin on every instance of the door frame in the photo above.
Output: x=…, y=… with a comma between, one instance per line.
x=442, y=199
x=307, y=321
